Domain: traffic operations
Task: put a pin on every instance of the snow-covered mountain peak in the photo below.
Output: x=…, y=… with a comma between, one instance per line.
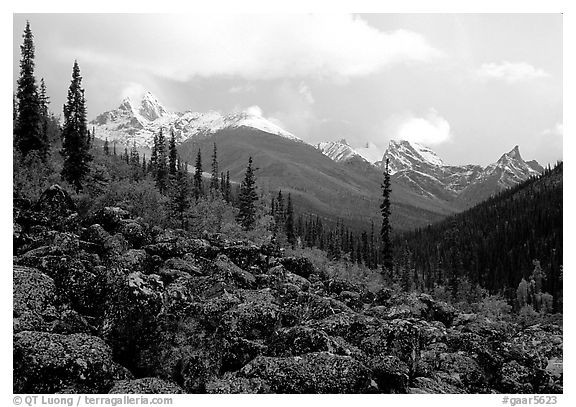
x=257, y=121
x=513, y=154
x=151, y=108
x=404, y=154
x=511, y=169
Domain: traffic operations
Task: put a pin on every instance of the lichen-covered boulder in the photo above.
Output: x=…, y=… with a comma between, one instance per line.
x=351, y=326
x=244, y=255
x=390, y=374
x=308, y=307
x=134, y=233
x=318, y=372
x=187, y=265
x=110, y=217
x=302, y=283
x=146, y=385
x=116, y=245
x=351, y=299
x=133, y=260
x=95, y=234
x=298, y=265
x=256, y=317
x=230, y=383
x=516, y=378
x=130, y=321
x=298, y=340
x=34, y=296
x=427, y=385
x=464, y=371
x=227, y=270
x=75, y=283
x=47, y=363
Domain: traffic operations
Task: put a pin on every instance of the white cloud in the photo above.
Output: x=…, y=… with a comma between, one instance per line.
x=556, y=131
x=133, y=90
x=241, y=89
x=430, y=129
x=254, y=110
x=306, y=93
x=259, y=46
x=510, y=72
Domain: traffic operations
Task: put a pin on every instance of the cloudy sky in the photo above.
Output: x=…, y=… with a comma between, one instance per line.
x=469, y=86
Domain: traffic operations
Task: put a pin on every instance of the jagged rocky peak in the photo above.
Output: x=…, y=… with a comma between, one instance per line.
x=513, y=154
x=151, y=108
x=408, y=155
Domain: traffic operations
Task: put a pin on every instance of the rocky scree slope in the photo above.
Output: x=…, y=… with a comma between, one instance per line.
x=111, y=304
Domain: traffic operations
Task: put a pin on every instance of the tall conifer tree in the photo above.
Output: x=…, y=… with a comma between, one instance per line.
x=28, y=131
x=214, y=178
x=161, y=166
x=75, y=135
x=387, y=262
x=289, y=223
x=247, y=199
x=198, y=186
x=173, y=154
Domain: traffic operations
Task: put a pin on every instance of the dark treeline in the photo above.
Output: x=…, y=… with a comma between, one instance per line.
x=494, y=244
x=338, y=240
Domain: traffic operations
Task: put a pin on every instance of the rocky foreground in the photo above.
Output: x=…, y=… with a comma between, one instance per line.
x=112, y=305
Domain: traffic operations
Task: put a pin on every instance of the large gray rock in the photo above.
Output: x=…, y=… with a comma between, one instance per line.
x=319, y=372
x=146, y=385
x=48, y=363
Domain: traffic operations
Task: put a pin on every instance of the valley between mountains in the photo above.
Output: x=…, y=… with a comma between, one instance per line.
x=331, y=180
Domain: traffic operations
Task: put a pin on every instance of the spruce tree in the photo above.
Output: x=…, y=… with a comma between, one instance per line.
x=44, y=102
x=222, y=182
x=198, y=186
x=106, y=147
x=75, y=135
x=247, y=199
x=387, y=262
x=289, y=224
x=154, y=155
x=228, y=188
x=173, y=154
x=180, y=199
x=280, y=211
x=214, y=178
x=161, y=166
x=134, y=156
x=28, y=132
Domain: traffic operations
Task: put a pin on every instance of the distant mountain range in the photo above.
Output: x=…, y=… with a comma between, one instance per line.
x=420, y=168
x=332, y=179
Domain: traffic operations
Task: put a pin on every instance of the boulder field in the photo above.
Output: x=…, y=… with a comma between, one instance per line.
x=111, y=304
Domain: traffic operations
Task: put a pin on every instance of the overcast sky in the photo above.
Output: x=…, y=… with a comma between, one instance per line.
x=470, y=86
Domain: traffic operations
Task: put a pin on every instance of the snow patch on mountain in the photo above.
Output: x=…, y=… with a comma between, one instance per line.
x=337, y=150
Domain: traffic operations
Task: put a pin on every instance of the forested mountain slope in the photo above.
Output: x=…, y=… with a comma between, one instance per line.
x=495, y=242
